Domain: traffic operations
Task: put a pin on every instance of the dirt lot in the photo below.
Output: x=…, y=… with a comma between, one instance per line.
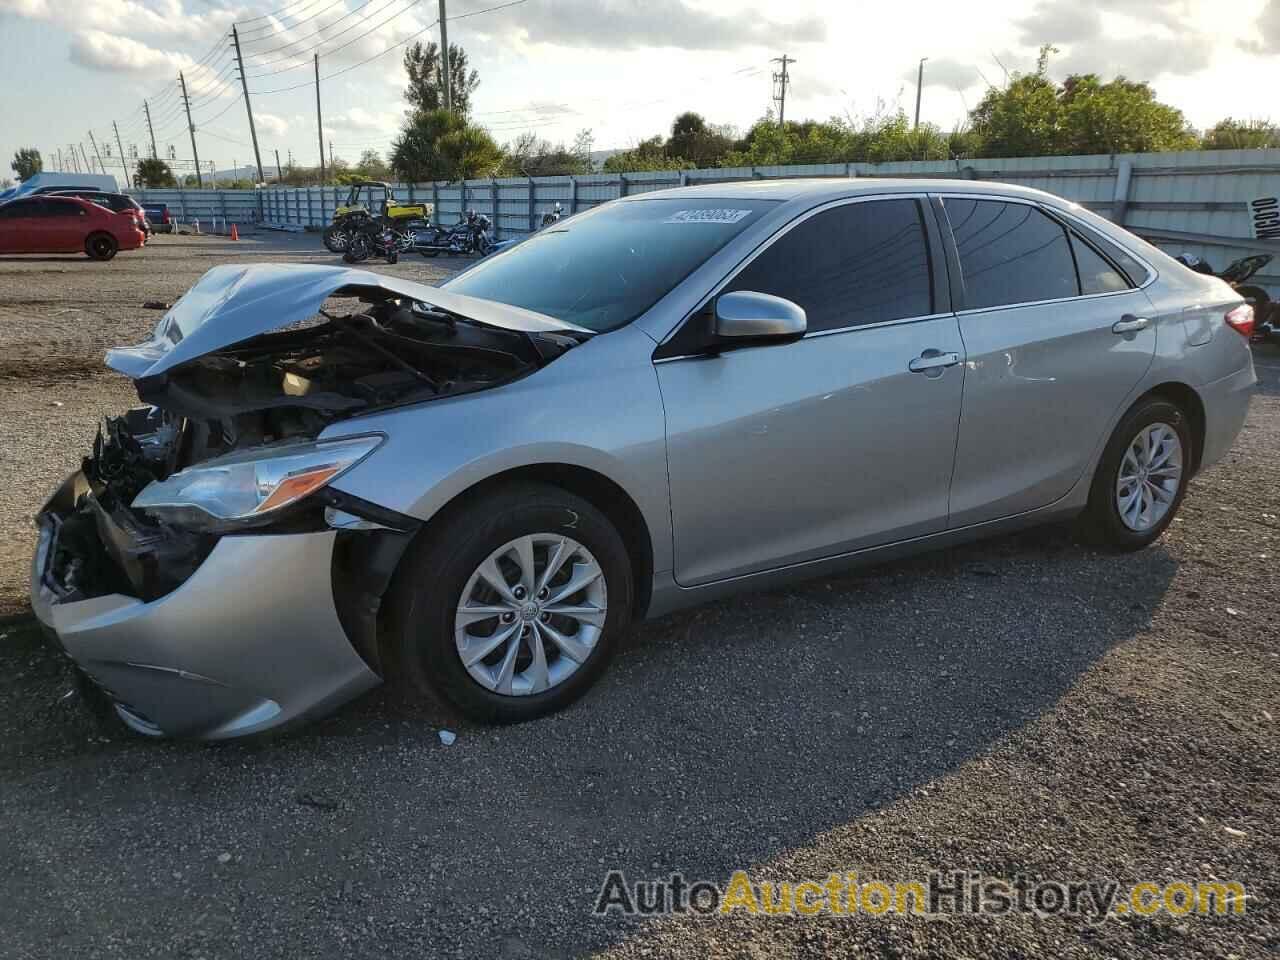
x=1023, y=706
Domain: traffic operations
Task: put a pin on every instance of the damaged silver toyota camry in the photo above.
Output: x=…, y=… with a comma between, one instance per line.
x=339, y=477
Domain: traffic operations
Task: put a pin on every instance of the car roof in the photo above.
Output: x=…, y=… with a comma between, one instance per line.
x=818, y=190
x=83, y=193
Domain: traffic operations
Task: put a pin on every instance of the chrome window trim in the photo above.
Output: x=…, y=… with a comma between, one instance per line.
x=1075, y=221
x=852, y=328
x=787, y=228
x=1152, y=273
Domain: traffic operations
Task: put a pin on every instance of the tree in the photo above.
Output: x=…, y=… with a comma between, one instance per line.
x=529, y=156
x=1122, y=116
x=153, y=173
x=648, y=154
x=1232, y=134
x=27, y=163
x=1033, y=116
x=426, y=80
x=439, y=145
x=699, y=143
x=372, y=166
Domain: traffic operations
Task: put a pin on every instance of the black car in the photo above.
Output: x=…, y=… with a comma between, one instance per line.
x=119, y=202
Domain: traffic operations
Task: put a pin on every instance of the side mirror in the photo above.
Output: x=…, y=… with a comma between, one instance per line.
x=744, y=315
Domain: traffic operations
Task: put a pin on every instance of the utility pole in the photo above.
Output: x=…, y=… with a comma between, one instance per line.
x=102, y=165
x=279, y=175
x=781, y=81
x=75, y=161
x=124, y=163
x=319, y=121
x=191, y=128
x=919, y=87
x=332, y=165
x=87, y=165
x=444, y=59
x=244, y=84
x=146, y=108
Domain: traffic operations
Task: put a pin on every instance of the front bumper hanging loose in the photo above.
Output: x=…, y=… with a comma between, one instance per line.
x=251, y=641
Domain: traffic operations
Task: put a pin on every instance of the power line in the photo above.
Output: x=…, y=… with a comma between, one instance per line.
x=274, y=13
x=330, y=52
x=296, y=40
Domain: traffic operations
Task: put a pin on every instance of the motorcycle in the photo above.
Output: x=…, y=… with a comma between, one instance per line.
x=365, y=198
x=370, y=237
x=1266, y=312
x=468, y=235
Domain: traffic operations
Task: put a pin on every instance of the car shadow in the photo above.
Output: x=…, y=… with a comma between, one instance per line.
x=51, y=258
x=720, y=737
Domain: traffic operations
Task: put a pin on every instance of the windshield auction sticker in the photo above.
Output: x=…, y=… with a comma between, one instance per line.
x=710, y=215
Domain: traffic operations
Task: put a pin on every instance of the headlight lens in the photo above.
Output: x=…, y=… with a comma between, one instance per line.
x=251, y=487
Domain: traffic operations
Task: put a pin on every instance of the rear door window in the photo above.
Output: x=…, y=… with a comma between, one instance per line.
x=1010, y=253
x=1097, y=275
x=851, y=265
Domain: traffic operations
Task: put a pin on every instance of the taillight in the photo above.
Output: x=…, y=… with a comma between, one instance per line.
x=1240, y=320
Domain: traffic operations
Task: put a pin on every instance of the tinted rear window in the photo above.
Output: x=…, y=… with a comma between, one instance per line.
x=604, y=268
x=1010, y=253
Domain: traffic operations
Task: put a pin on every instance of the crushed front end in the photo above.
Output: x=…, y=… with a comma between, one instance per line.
x=199, y=568
x=197, y=634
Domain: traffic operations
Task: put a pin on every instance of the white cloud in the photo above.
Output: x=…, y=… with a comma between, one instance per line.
x=108, y=52
x=159, y=17
x=270, y=123
x=635, y=24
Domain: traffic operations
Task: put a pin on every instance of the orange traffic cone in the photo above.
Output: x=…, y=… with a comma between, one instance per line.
x=235, y=234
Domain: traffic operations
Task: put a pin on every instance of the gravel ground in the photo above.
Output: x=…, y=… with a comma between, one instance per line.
x=1024, y=705
x=58, y=316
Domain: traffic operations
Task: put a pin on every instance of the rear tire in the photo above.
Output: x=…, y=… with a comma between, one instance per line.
x=1141, y=478
x=442, y=572
x=101, y=246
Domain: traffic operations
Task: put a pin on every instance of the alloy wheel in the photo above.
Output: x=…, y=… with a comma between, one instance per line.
x=531, y=614
x=1149, y=476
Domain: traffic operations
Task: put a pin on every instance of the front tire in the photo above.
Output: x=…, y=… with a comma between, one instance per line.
x=101, y=246
x=337, y=239
x=1141, y=478
x=512, y=607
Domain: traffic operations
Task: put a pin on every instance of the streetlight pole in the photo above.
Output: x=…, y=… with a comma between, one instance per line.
x=444, y=59
x=919, y=88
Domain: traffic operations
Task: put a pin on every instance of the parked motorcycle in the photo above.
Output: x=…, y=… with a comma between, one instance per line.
x=1266, y=312
x=553, y=217
x=370, y=237
x=468, y=235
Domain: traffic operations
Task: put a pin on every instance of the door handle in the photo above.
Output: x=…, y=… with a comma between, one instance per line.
x=933, y=360
x=1130, y=324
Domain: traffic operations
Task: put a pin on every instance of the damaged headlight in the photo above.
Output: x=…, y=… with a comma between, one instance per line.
x=252, y=486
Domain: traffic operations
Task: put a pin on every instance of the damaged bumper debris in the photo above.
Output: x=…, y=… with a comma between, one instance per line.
x=199, y=568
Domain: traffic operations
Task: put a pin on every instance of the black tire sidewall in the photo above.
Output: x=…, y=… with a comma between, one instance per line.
x=1103, y=512
x=108, y=242
x=431, y=580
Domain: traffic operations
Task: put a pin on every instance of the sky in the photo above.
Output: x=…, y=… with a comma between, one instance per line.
x=619, y=68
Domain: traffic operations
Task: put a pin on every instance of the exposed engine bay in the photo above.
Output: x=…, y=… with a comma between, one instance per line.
x=275, y=388
x=293, y=383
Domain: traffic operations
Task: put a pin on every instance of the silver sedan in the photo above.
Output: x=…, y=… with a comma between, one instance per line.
x=338, y=477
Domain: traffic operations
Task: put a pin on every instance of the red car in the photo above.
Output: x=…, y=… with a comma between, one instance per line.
x=45, y=224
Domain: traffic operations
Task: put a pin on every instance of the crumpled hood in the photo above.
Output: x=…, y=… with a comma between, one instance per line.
x=230, y=304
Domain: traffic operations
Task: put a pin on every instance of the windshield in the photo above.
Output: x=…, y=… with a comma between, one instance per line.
x=604, y=268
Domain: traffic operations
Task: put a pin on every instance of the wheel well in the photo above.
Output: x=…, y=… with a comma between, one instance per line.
x=1190, y=403
x=598, y=490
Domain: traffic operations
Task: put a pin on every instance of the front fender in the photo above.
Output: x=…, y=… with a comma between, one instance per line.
x=596, y=407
